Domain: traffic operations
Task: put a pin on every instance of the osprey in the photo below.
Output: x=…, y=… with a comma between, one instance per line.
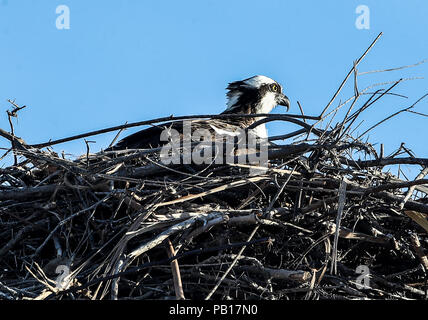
x=255, y=95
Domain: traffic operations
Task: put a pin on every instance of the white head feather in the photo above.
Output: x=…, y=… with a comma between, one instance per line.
x=258, y=81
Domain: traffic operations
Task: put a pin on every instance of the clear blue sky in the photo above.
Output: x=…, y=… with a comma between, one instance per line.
x=135, y=60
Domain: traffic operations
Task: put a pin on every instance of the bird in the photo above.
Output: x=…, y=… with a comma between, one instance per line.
x=255, y=95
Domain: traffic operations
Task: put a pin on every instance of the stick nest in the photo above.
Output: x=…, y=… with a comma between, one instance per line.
x=325, y=221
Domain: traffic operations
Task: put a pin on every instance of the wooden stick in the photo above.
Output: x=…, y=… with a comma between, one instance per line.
x=175, y=268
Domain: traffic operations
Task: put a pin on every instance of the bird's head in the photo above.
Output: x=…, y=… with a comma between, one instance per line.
x=258, y=94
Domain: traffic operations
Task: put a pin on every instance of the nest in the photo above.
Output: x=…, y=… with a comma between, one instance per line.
x=324, y=221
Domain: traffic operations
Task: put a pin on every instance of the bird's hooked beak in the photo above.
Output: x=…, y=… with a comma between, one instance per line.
x=282, y=100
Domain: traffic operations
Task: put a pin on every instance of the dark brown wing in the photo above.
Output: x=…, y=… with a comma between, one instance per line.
x=147, y=138
x=150, y=138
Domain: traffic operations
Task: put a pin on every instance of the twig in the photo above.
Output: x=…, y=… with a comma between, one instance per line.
x=208, y=297
x=178, y=286
x=342, y=199
x=158, y=120
x=349, y=74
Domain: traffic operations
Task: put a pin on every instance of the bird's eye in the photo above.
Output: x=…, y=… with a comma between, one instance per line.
x=274, y=88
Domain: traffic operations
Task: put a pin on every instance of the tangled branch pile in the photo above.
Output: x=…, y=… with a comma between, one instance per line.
x=318, y=224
